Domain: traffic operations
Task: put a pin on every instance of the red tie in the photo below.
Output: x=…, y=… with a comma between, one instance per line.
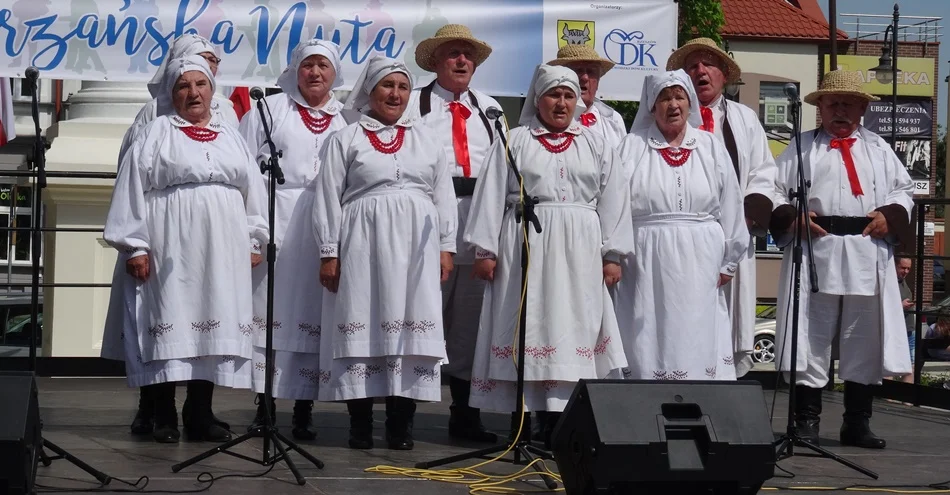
x=708, y=123
x=844, y=144
x=588, y=119
x=460, y=136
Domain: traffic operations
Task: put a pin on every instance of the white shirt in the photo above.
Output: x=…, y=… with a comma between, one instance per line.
x=609, y=124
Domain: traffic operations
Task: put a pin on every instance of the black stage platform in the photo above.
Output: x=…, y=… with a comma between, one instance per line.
x=89, y=417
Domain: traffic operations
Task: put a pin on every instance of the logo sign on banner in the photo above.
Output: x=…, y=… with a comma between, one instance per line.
x=914, y=118
x=916, y=76
x=915, y=155
x=126, y=40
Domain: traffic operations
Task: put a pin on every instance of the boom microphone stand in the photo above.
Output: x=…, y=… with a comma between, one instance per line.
x=785, y=444
x=521, y=446
x=38, y=164
x=267, y=431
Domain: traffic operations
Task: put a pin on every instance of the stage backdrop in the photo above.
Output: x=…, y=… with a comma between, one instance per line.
x=126, y=40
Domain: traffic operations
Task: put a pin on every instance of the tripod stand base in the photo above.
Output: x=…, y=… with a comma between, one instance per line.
x=270, y=435
x=62, y=454
x=785, y=449
x=522, y=450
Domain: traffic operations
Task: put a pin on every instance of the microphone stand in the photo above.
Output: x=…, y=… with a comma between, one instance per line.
x=268, y=431
x=38, y=163
x=521, y=447
x=785, y=444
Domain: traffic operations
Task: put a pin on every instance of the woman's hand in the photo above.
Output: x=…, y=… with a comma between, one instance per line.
x=484, y=269
x=330, y=274
x=138, y=267
x=611, y=272
x=724, y=279
x=445, y=262
x=256, y=259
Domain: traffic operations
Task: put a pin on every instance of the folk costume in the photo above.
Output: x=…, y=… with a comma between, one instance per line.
x=688, y=228
x=571, y=332
x=465, y=133
x=191, y=199
x=299, y=131
x=738, y=128
x=858, y=300
x=385, y=208
x=600, y=118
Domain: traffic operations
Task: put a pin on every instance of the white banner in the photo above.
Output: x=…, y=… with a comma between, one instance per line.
x=126, y=40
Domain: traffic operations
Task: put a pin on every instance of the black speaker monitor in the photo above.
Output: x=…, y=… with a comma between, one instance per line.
x=645, y=436
x=20, y=438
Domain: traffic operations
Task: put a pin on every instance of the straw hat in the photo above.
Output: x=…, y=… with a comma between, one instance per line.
x=729, y=67
x=840, y=82
x=581, y=53
x=449, y=32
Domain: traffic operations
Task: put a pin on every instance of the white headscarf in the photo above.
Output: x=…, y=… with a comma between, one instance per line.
x=652, y=86
x=547, y=77
x=374, y=71
x=188, y=44
x=288, y=78
x=173, y=70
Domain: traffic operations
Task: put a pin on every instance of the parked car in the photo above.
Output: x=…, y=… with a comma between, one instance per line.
x=939, y=273
x=15, y=316
x=763, y=349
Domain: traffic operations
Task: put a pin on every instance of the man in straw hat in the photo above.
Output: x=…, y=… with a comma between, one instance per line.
x=860, y=200
x=456, y=114
x=590, y=67
x=738, y=127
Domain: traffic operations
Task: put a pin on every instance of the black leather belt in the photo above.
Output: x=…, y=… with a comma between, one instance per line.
x=836, y=225
x=464, y=186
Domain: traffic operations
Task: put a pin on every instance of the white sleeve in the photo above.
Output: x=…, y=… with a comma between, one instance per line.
x=446, y=204
x=483, y=228
x=126, y=227
x=327, y=205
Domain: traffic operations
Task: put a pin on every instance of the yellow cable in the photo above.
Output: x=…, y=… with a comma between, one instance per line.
x=851, y=489
x=477, y=481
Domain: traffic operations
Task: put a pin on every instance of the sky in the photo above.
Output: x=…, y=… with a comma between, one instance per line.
x=932, y=8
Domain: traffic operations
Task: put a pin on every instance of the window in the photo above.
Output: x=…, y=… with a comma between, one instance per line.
x=773, y=110
x=15, y=246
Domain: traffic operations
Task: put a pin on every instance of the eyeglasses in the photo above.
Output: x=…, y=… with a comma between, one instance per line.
x=212, y=59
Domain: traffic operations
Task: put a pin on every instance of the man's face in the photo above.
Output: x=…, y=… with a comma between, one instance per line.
x=454, y=65
x=588, y=74
x=705, y=69
x=903, y=268
x=841, y=114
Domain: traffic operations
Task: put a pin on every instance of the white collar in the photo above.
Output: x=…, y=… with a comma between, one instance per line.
x=214, y=124
x=719, y=103
x=371, y=124
x=593, y=109
x=331, y=107
x=538, y=129
x=449, y=96
x=657, y=141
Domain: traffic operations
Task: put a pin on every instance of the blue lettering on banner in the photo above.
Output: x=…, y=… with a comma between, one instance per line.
x=49, y=38
x=628, y=49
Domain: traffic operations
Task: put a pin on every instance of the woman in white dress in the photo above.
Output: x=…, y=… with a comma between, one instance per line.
x=304, y=116
x=584, y=211
x=186, y=218
x=386, y=217
x=690, y=235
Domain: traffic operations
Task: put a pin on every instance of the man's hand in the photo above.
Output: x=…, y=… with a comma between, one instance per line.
x=445, y=264
x=724, y=279
x=256, y=259
x=907, y=303
x=138, y=267
x=878, y=226
x=330, y=274
x=484, y=269
x=611, y=272
x=816, y=231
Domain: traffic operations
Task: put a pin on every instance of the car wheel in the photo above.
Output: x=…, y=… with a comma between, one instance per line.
x=764, y=349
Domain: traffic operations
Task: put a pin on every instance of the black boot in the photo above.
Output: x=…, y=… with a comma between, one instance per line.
x=143, y=422
x=200, y=425
x=186, y=413
x=466, y=422
x=525, y=427
x=550, y=421
x=303, y=421
x=400, y=412
x=361, y=423
x=164, y=412
x=807, y=413
x=539, y=425
x=260, y=417
x=856, y=428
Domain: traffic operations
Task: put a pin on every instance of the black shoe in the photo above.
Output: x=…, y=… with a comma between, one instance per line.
x=856, y=428
x=303, y=420
x=465, y=422
x=260, y=417
x=400, y=412
x=200, y=425
x=549, y=423
x=186, y=413
x=807, y=414
x=165, y=428
x=143, y=423
x=361, y=423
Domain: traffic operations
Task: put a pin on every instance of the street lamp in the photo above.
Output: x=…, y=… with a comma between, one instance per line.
x=732, y=89
x=886, y=71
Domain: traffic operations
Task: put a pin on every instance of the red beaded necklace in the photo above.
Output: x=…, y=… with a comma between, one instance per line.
x=199, y=133
x=316, y=124
x=547, y=140
x=675, y=156
x=390, y=147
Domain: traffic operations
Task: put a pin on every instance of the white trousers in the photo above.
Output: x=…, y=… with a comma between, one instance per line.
x=856, y=322
x=461, y=307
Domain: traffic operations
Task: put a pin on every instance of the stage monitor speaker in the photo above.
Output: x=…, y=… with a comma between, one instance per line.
x=640, y=436
x=20, y=439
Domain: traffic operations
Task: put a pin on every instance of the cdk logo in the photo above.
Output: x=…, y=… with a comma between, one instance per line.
x=628, y=49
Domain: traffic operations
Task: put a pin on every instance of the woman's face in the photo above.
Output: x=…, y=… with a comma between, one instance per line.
x=671, y=110
x=315, y=78
x=556, y=108
x=191, y=96
x=390, y=97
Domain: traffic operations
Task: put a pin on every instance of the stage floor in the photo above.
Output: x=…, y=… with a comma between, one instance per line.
x=90, y=417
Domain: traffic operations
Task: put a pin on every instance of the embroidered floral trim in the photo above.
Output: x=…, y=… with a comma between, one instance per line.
x=351, y=327
x=228, y=359
x=711, y=372
x=160, y=329
x=394, y=367
x=325, y=376
x=364, y=370
x=483, y=385
x=538, y=352
x=729, y=360
x=425, y=373
x=601, y=347
x=585, y=352
x=549, y=385
x=246, y=330
x=501, y=352
x=260, y=323
x=396, y=326
x=670, y=375
x=309, y=329
x=626, y=372
x=327, y=251
x=310, y=375
x=481, y=254
x=205, y=326
x=262, y=367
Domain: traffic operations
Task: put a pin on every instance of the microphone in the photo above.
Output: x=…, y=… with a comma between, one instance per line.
x=32, y=73
x=256, y=93
x=494, y=113
x=791, y=91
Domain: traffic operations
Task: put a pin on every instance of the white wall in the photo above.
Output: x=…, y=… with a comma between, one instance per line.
x=795, y=61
